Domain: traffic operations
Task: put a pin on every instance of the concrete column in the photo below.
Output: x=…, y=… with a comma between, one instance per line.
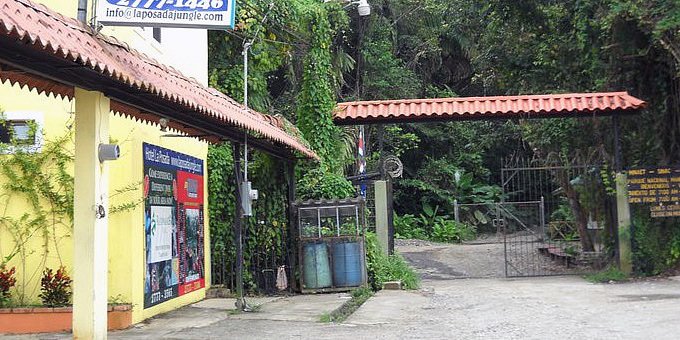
x=90, y=228
x=381, y=215
x=623, y=216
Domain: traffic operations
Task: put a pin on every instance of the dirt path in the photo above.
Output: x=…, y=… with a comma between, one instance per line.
x=447, y=261
x=483, y=258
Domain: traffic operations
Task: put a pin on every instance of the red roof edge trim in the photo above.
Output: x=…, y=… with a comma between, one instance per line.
x=497, y=107
x=53, y=35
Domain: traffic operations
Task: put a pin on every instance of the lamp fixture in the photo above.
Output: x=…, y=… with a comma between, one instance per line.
x=163, y=122
x=362, y=6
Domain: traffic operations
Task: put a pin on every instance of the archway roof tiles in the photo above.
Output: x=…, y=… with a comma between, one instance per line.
x=498, y=107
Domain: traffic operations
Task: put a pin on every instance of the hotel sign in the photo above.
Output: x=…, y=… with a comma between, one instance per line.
x=174, y=224
x=211, y=14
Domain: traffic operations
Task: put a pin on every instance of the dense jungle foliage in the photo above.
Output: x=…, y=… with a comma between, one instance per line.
x=308, y=55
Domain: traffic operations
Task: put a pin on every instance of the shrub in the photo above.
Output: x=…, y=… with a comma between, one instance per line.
x=408, y=227
x=431, y=226
x=7, y=281
x=382, y=268
x=610, y=274
x=451, y=231
x=55, y=288
x=318, y=183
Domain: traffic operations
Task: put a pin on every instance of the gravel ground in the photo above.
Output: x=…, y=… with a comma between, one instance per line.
x=435, y=261
x=481, y=258
x=533, y=308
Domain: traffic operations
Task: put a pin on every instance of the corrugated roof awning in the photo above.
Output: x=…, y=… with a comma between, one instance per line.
x=51, y=53
x=472, y=108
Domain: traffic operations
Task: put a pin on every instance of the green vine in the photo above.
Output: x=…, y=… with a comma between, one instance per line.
x=119, y=205
x=316, y=102
x=317, y=98
x=264, y=234
x=43, y=180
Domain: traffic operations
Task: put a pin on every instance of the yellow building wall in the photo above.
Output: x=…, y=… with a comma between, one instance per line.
x=126, y=229
x=65, y=7
x=45, y=247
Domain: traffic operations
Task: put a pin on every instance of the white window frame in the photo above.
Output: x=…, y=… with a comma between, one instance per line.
x=38, y=118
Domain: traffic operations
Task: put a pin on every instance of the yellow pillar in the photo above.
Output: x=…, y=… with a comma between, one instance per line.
x=90, y=229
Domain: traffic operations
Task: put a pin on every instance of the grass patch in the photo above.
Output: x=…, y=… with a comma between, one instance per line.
x=383, y=268
x=359, y=296
x=608, y=275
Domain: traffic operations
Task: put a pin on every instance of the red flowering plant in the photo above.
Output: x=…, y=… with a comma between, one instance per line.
x=7, y=281
x=55, y=288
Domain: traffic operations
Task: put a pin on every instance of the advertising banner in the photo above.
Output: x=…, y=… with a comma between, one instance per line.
x=211, y=14
x=173, y=224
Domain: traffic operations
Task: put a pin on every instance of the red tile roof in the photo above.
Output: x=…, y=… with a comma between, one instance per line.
x=508, y=107
x=48, y=33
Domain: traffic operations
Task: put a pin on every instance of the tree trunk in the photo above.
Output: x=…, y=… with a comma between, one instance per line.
x=579, y=215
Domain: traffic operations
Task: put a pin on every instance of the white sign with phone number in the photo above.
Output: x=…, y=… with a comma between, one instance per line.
x=212, y=14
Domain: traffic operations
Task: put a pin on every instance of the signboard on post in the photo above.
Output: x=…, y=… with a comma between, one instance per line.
x=210, y=14
x=658, y=187
x=173, y=224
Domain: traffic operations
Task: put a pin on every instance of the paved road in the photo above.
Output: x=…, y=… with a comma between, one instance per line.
x=536, y=308
x=445, y=308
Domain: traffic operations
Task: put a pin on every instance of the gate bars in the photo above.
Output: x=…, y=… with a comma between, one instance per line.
x=553, y=219
x=576, y=215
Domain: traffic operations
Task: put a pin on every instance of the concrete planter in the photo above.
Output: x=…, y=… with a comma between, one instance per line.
x=28, y=320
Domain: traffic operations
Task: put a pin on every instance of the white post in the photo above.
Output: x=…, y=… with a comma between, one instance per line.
x=456, y=212
x=623, y=214
x=90, y=224
x=381, y=218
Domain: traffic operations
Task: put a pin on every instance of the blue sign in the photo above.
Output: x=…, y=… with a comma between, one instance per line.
x=212, y=14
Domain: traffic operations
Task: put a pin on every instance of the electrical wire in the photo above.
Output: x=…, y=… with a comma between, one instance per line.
x=244, y=37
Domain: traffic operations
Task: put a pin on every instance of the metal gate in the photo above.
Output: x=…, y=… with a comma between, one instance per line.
x=542, y=233
x=530, y=246
x=524, y=238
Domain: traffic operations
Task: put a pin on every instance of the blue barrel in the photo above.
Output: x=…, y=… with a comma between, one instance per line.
x=347, y=271
x=316, y=269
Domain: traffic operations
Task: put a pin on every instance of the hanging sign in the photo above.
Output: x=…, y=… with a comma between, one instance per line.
x=173, y=224
x=658, y=187
x=211, y=14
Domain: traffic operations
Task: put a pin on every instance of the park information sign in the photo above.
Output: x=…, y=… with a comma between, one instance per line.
x=212, y=14
x=658, y=187
x=173, y=224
